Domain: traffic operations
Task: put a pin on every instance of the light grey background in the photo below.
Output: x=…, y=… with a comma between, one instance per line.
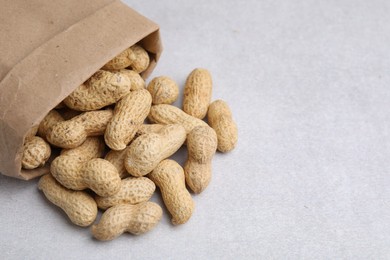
x=309, y=86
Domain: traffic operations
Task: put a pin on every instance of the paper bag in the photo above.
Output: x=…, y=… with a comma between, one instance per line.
x=47, y=49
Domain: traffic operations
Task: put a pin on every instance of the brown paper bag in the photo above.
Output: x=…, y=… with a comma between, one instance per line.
x=47, y=49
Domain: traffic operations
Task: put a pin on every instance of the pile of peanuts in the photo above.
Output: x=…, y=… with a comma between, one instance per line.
x=112, y=160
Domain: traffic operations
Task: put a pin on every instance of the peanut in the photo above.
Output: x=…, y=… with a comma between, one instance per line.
x=52, y=118
x=168, y=114
x=97, y=174
x=141, y=61
x=163, y=90
x=73, y=132
x=169, y=177
x=132, y=191
x=121, y=61
x=148, y=150
x=102, y=89
x=220, y=119
x=201, y=144
x=93, y=147
x=35, y=153
x=135, y=219
x=31, y=145
x=129, y=112
x=117, y=158
x=78, y=205
x=197, y=93
x=137, y=82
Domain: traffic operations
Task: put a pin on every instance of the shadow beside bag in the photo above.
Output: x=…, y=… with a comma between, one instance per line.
x=49, y=48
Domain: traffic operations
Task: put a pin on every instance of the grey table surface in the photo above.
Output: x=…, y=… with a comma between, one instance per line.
x=309, y=86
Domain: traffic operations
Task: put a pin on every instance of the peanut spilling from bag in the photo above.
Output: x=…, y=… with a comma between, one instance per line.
x=169, y=177
x=129, y=113
x=221, y=120
x=149, y=149
x=80, y=207
x=105, y=117
x=197, y=93
x=202, y=144
x=135, y=219
x=163, y=90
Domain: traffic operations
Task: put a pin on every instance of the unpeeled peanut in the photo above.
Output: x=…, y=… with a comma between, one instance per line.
x=78, y=205
x=73, y=132
x=197, y=93
x=117, y=158
x=132, y=191
x=136, y=219
x=169, y=177
x=68, y=167
x=168, y=114
x=97, y=174
x=202, y=145
x=121, y=61
x=129, y=113
x=102, y=89
x=220, y=119
x=164, y=90
x=36, y=152
x=141, y=60
x=148, y=150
